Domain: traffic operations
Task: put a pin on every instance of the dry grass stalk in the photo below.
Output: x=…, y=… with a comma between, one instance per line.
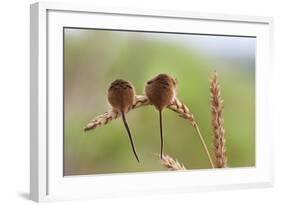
x=184, y=112
x=171, y=164
x=108, y=116
x=217, y=123
x=141, y=101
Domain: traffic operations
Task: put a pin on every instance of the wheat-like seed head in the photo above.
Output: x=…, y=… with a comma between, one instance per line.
x=141, y=101
x=171, y=164
x=178, y=107
x=112, y=114
x=217, y=123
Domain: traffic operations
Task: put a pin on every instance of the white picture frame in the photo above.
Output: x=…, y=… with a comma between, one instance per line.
x=47, y=182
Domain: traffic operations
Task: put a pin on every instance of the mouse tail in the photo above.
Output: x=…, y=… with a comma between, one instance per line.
x=130, y=136
x=161, y=135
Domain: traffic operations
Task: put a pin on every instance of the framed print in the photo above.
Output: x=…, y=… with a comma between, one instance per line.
x=127, y=102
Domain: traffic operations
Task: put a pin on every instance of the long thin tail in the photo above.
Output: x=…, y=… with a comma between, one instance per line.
x=161, y=135
x=130, y=136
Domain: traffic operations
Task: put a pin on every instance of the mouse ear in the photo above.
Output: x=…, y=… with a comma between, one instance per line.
x=128, y=86
x=149, y=82
x=176, y=81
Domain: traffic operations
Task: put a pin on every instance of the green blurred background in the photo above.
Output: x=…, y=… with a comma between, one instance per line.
x=94, y=58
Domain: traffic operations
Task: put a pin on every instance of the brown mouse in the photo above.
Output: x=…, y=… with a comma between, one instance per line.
x=121, y=97
x=161, y=91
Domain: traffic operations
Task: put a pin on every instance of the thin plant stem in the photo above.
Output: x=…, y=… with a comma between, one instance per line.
x=204, y=144
x=142, y=101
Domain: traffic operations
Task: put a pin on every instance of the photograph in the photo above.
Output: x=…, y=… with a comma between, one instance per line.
x=149, y=101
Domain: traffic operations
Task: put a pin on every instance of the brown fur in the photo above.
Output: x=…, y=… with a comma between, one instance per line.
x=161, y=91
x=121, y=95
